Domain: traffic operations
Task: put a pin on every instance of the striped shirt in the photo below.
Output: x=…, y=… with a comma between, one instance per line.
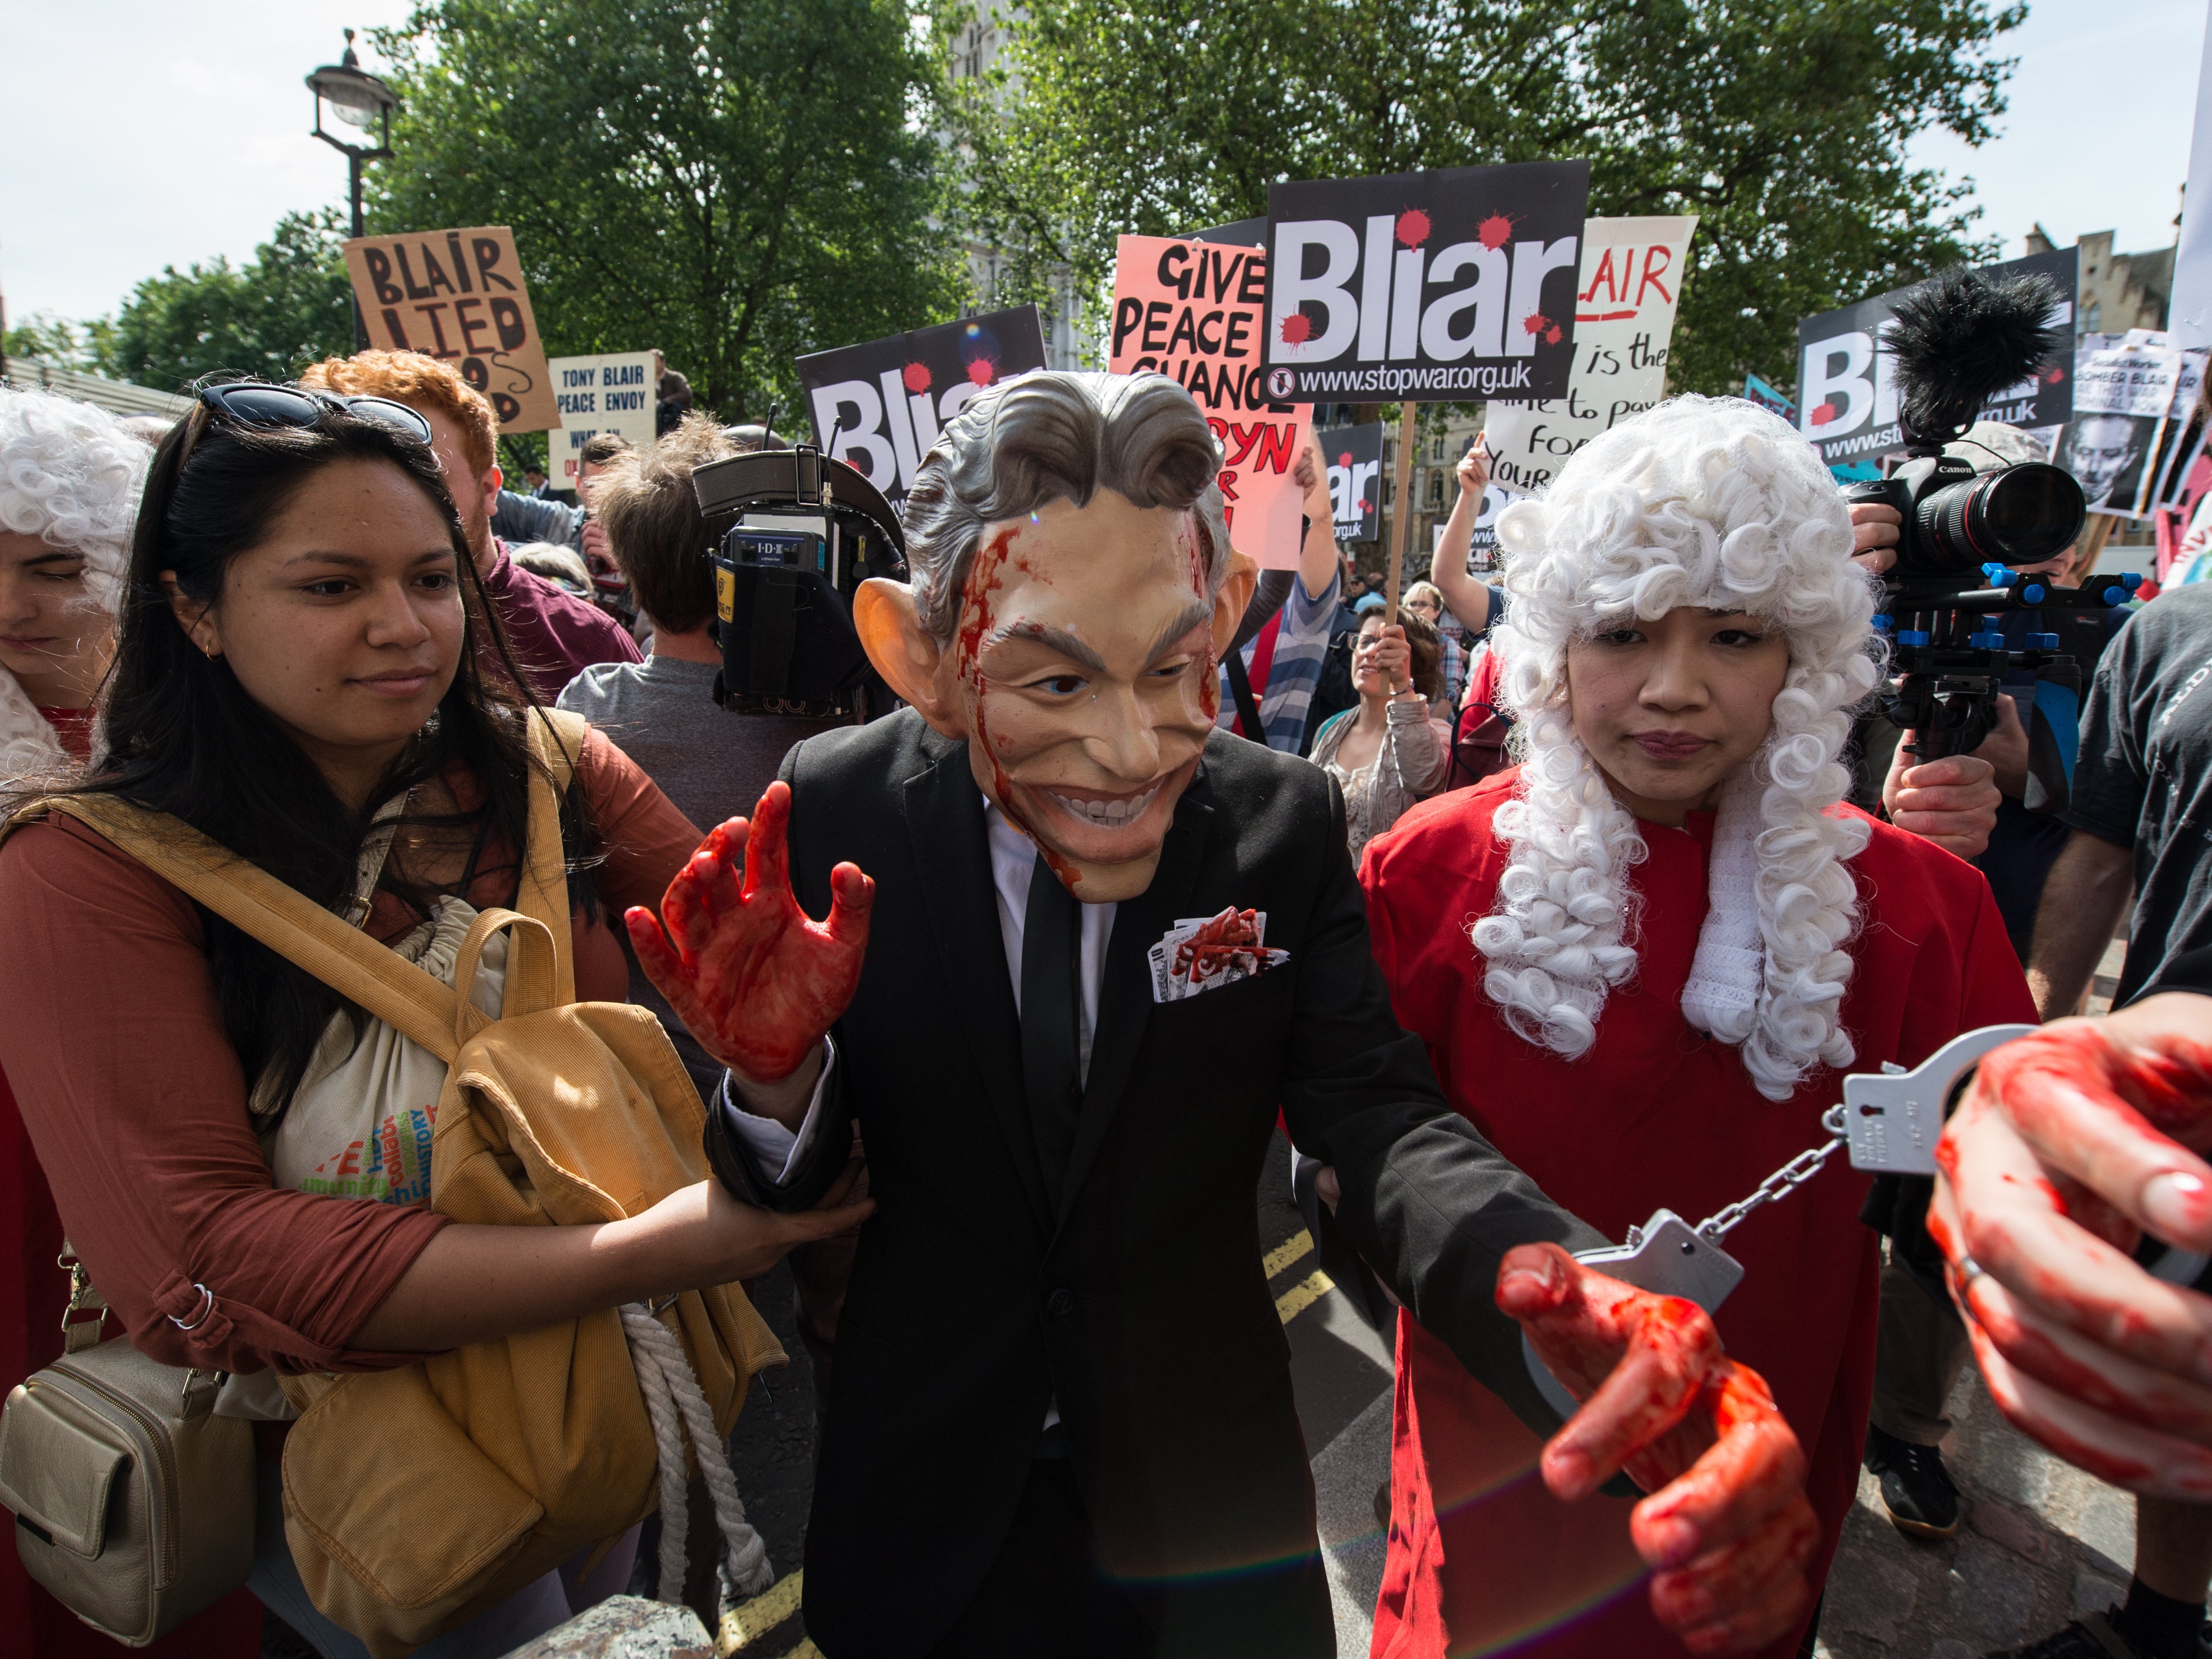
x=1301, y=630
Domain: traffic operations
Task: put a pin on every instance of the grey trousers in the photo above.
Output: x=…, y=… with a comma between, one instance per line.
x=1918, y=1355
x=529, y=1612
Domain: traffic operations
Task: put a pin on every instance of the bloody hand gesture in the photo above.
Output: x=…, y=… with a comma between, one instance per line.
x=2068, y=1146
x=1726, y=1528
x=750, y=975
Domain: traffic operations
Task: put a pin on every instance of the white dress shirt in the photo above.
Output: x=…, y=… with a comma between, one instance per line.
x=776, y=1151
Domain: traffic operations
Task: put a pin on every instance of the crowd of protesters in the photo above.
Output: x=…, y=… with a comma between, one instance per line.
x=313, y=625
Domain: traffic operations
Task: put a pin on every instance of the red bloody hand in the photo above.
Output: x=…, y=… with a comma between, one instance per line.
x=749, y=974
x=1726, y=1527
x=2066, y=1147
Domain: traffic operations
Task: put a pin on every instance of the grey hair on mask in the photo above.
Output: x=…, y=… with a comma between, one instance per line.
x=1049, y=437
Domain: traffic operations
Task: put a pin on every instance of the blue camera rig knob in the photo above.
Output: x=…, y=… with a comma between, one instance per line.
x=1912, y=636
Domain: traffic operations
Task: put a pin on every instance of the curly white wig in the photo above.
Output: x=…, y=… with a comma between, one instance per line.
x=1710, y=502
x=70, y=474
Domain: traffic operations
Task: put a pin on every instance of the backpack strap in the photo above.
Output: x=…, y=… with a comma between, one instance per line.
x=556, y=741
x=289, y=923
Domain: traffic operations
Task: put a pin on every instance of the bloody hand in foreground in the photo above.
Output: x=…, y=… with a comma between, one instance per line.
x=750, y=975
x=1727, y=1528
x=2067, y=1145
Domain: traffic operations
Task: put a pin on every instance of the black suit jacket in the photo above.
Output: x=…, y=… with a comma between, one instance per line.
x=1141, y=1305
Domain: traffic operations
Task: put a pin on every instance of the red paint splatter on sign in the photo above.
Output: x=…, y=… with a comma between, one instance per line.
x=982, y=371
x=916, y=378
x=1822, y=415
x=1492, y=232
x=1536, y=323
x=1552, y=335
x=1345, y=459
x=1413, y=227
x=1297, y=329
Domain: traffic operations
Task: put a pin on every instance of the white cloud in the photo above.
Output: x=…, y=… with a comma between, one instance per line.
x=144, y=133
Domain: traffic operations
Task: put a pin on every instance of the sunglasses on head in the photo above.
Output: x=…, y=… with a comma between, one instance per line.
x=255, y=403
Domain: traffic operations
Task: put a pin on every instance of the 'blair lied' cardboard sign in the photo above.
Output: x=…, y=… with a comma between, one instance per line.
x=458, y=296
x=878, y=407
x=1192, y=311
x=1453, y=286
x=1632, y=275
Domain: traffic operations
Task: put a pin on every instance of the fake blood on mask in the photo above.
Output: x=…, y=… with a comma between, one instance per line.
x=978, y=617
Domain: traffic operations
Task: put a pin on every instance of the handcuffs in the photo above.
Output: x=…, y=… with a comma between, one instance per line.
x=1890, y=1120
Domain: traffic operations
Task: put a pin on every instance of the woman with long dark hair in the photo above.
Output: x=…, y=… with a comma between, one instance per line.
x=308, y=673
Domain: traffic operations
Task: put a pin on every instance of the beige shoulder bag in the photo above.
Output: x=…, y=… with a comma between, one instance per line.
x=133, y=1501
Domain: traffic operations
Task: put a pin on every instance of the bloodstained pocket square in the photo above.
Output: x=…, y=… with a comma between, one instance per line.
x=1203, y=953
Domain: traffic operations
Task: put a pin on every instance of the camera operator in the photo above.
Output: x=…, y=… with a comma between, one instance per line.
x=664, y=715
x=1923, y=1346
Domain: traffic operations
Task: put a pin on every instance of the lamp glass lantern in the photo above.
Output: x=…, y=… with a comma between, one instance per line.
x=362, y=103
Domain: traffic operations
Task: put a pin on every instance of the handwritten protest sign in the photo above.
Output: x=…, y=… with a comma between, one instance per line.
x=879, y=406
x=1631, y=274
x=605, y=391
x=1847, y=384
x=1192, y=311
x=458, y=296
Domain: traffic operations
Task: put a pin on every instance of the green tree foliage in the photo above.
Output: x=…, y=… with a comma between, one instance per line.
x=51, y=338
x=735, y=182
x=1782, y=123
x=286, y=307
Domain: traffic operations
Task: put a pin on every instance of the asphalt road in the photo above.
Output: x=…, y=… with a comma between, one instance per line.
x=1338, y=1366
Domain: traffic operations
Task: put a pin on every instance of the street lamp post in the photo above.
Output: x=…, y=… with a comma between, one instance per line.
x=359, y=101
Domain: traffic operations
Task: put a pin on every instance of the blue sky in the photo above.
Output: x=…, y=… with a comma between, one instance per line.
x=141, y=133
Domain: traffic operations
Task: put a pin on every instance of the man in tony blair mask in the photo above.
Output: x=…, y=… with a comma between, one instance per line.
x=1095, y=944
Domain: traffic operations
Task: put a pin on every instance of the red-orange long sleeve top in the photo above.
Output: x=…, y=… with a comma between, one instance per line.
x=136, y=1103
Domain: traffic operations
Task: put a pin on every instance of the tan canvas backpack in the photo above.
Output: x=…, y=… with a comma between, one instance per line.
x=417, y=1498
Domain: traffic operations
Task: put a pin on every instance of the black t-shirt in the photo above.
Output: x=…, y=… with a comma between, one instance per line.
x=2024, y=845
x=2144, y=778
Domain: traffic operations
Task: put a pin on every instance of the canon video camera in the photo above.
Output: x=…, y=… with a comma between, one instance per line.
x=1959, y=341
x=796, y=534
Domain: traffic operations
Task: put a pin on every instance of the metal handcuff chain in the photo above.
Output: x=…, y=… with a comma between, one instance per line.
x=1890, y=1120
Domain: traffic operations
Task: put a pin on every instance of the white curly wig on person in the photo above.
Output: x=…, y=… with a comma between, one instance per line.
x=71, y=475
x=1710, y=502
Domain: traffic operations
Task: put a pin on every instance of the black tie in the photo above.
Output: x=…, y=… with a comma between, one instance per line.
x=1051, y=938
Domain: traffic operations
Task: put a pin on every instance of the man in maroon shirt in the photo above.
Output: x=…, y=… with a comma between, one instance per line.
x=555, y=635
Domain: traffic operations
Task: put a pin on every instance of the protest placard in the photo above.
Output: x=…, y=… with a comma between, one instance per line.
x=1354, y=454
x=879, y=406
x=2125, y=389
x=604, y=391
x=1631, y=276
x=1772, y=400
x=1350, y=313
x=1193, y=311
x=458, y=296
x=1433, y=287
x=1847, y=384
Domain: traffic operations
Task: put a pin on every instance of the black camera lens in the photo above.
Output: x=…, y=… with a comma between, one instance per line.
x=2022, y=514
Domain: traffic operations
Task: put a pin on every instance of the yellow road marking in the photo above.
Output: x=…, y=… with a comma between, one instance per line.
x=1303, y=1295
x=1287, y=1252
x=749, y=1623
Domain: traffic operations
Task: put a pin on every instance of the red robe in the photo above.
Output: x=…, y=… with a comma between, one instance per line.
x=1482, y=1559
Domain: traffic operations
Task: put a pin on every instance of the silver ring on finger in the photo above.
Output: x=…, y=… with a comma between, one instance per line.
x=1968, y=1270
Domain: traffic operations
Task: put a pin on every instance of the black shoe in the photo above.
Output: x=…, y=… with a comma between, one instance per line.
x=2090, y=1636
x=1916, y=1488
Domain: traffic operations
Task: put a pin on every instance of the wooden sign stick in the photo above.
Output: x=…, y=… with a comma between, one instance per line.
x=1403, y=517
